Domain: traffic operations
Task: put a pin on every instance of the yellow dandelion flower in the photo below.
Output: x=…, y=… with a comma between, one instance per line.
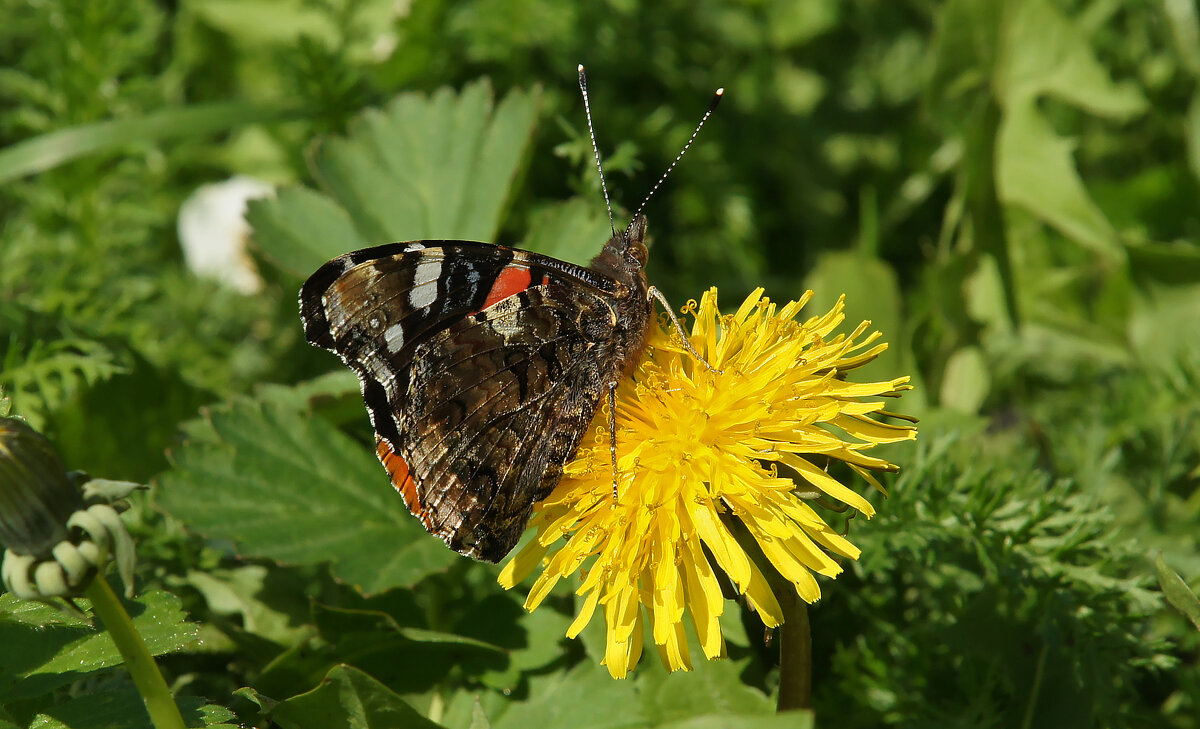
x=698, y=449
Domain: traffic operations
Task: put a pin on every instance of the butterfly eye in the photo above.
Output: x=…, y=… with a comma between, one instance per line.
x=636, y=251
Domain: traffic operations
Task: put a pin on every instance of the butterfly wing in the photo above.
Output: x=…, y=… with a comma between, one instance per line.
x=481, y=367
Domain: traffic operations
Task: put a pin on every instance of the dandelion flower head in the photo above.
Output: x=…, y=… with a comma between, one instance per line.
x=700, y=451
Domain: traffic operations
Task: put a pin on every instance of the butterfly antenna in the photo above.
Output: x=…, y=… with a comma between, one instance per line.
x=711, y=108
x=587, y=109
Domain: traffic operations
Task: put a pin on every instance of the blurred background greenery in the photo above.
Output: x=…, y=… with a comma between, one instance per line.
x=1008, y=189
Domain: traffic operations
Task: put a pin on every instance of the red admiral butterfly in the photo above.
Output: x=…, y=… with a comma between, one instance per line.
x=482, y=366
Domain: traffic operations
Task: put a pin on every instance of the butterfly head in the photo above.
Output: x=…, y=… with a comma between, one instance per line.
x=624, y=255
x=632, y=241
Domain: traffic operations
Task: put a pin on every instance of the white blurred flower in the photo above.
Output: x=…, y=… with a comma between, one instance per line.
x=213, y=232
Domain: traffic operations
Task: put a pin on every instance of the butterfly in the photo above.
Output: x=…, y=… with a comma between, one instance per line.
x=482, y=366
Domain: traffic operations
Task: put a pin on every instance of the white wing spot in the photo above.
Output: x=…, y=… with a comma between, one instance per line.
x=394, y=336
x=424, y=290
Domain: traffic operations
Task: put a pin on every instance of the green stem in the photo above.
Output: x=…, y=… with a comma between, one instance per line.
x=795, y=637
x=795, y=654
x=140, y=664
x=1035, y=689
x=983, y=200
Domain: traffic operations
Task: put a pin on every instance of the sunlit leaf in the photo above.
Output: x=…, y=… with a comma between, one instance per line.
x=45, y=648
x=300, y=229
x=288, y=486
x=1177, y=591
x=430, y=167
x=1036, y=170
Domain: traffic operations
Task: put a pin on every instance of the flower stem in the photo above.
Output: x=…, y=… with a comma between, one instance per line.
x=795, y=654
x=140, y=664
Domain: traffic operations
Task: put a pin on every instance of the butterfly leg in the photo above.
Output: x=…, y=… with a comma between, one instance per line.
x=654, y=293
x=612, y=436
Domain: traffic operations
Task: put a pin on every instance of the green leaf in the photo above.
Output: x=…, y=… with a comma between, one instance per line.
x=371, y=640
x=291, y=487
x=786, y=720
x=1036, y=171
x=348, y=699
x=573, y=230
x=300, y=229
x=966, y=381
x=50, y=150
x=585, y=697
x=1177, y=591
x=539, y=640
x=1192, y=133
x=243, y=593
x=1169, y=263
x=431, y=167
x=45, y=648
x=1047, y=53
x=1185, y=31
x=255, y=22
x=872, y=294
x=712, y=687
x=123, y=708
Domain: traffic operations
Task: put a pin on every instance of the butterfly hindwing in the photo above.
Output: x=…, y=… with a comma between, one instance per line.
x=497, y=404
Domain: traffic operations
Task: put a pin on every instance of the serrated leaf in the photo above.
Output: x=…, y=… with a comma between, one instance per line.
x=1177, y=591
x=300, y=229
x=431, y=167
x=293, y=488
x=348, y=699
x=44, y=649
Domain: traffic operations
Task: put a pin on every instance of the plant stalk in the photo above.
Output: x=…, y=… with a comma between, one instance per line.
x=150, y=684
x=795, y=654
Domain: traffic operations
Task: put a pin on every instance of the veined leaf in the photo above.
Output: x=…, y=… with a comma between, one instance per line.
x=287, y=486
x=45, y=649
x=430, y=167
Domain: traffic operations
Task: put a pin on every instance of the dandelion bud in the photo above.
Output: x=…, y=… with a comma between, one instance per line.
x=37, y=496
x=57, y=534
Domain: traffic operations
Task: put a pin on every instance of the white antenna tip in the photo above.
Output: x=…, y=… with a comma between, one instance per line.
x=720, y=91
x=580, y=69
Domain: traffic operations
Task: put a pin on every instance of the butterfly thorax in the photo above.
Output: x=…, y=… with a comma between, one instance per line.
x=623, y=258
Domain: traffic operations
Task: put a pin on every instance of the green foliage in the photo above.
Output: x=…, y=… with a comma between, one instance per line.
x=292, y=488
x=1005, y=187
